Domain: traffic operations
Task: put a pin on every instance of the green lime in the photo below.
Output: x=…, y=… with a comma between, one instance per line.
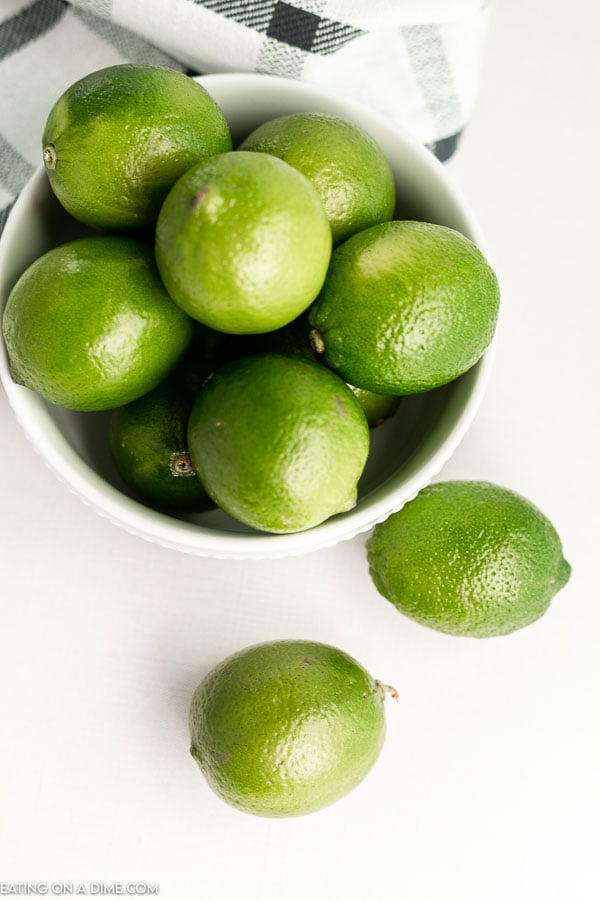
x=376, y=407
x=294, y=339
x=287, y=728
x=406, y=307
x=89, y=325
x=148, y=439
x=468, y=558
x=279, y=442
x=118, y=139
x=243, y=243
x=345, y=164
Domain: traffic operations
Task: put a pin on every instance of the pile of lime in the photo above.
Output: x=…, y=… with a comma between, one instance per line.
x=248, y=315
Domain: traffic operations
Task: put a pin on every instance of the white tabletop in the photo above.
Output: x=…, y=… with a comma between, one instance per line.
x=487, y=787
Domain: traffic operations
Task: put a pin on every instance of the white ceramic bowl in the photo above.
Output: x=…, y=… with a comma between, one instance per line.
x=407, y=451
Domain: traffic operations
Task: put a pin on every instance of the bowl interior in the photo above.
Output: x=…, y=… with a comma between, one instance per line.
x=407, y=450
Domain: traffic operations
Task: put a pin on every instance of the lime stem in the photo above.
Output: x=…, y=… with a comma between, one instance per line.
x=316, y=341
x=49, y=155
x=181, y=464
x=385, y=690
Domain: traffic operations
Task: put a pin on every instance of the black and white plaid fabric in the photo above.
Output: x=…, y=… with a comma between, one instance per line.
x=416, y=61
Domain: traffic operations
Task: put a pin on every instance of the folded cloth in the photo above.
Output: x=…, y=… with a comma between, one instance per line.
x=416, y=61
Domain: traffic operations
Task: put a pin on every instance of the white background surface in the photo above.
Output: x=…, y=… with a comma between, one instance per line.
x=488, y=786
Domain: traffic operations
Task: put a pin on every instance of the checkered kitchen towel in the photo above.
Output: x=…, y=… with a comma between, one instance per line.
x=416, y=61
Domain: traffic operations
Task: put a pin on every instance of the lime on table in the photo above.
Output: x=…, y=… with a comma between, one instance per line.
x=406, y=307
x=118, y=139
x=468, y=558
x=345, y=164
x=287, y=728
x=279, y=442
x=89, y=325
x=243, y=243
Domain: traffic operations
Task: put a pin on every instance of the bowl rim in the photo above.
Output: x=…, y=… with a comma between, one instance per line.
x=108, y=501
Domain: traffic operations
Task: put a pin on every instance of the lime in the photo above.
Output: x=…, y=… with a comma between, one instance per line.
x=243, y=243
x=376, y=407
x=287, y=728
x=294, y=339
x=468, y=558
x=118, y=139
x=148, y=439
x=345, y=164
x=406, y=307
x=89, y=325
x=278, y=441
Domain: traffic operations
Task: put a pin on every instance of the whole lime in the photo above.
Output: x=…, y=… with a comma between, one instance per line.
x=345, y=164
x=376, y=407
x=294, y=339
x=243, y=243
x=406, y=307
x=89, y=325
x=118, y=139
x=286, y=728
x=278, y=441
x=148, y=439
x=468, y=558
